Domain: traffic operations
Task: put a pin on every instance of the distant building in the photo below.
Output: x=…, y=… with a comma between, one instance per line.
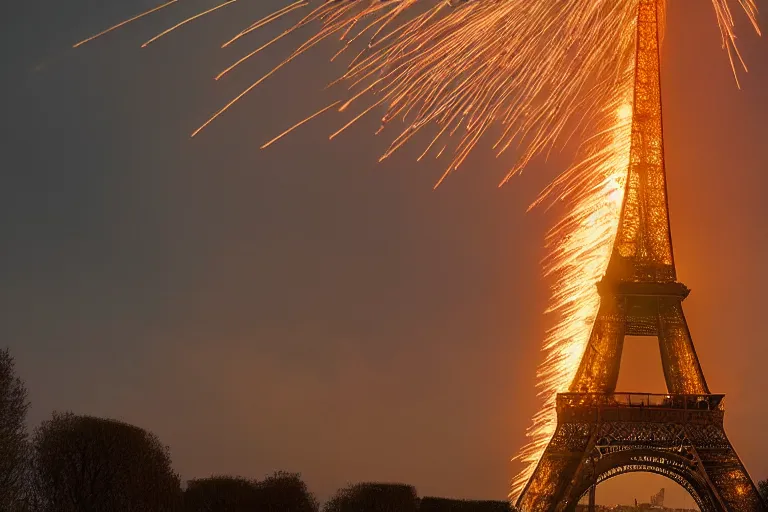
x=658, y=499
x=656, y=505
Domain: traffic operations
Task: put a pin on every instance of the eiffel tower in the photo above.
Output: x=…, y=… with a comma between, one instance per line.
x=600, y=433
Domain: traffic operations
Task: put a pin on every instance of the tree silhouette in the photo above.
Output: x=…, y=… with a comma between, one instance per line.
x=763, y=486
x=13, y=434
x=372, y=497
x=87, y=464
x=446, y=505
x=285, y=492
x=221, y=494
x=281, y=492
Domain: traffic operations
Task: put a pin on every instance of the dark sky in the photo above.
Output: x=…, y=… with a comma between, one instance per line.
x=306, y=308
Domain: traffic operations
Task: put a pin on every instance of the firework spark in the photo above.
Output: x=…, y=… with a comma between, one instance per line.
x=543, y=72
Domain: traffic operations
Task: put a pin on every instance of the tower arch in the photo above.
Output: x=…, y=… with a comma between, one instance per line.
x=680, y=468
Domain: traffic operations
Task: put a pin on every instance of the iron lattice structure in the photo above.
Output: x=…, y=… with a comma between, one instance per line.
x=602, y=434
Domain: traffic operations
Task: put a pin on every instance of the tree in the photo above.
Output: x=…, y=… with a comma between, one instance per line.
x=372, y=497
x=221, y=494
x=281, y=492
x=13, y=434
x=448, y=505
x=87, y=464
x=285, y=492
x=763, y=486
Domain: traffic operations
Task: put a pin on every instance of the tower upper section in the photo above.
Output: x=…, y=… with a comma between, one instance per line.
x=643, y=247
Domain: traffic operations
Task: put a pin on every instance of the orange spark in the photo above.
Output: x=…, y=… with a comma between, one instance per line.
x=182, y=23
x=114, y=27
x=300, y=123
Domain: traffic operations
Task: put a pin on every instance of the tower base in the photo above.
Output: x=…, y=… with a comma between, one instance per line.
x=681, y=437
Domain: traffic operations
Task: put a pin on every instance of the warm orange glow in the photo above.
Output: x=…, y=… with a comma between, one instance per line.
x=624, y=113
x=544, y=71
x=580, y=246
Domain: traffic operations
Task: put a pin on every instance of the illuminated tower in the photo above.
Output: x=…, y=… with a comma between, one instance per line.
x=601, y=433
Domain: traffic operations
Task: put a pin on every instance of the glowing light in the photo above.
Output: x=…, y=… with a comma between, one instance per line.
x=625, y=112
x=580, y=247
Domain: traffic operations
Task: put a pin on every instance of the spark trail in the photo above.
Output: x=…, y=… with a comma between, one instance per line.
x=538, y=73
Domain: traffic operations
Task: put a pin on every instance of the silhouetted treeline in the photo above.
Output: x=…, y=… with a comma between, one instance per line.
x=277, y=493
x=230, y=494
x=374, y=497
x=286, y=491
x=371, y=497
x=13, y=436
x=84, y=464
x=445, y=505
x=763, y=486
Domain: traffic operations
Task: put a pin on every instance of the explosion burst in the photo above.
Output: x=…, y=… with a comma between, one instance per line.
x=543, y=72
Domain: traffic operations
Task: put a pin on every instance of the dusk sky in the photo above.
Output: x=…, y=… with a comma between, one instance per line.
x=306, y=308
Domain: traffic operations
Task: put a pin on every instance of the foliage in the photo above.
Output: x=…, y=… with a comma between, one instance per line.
x=87, y=464
x=446, y=505
x=221, y=494
x=13, y=434
x=285, y=492
x=281, y=492
x=763, y=486
x=370, y=497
